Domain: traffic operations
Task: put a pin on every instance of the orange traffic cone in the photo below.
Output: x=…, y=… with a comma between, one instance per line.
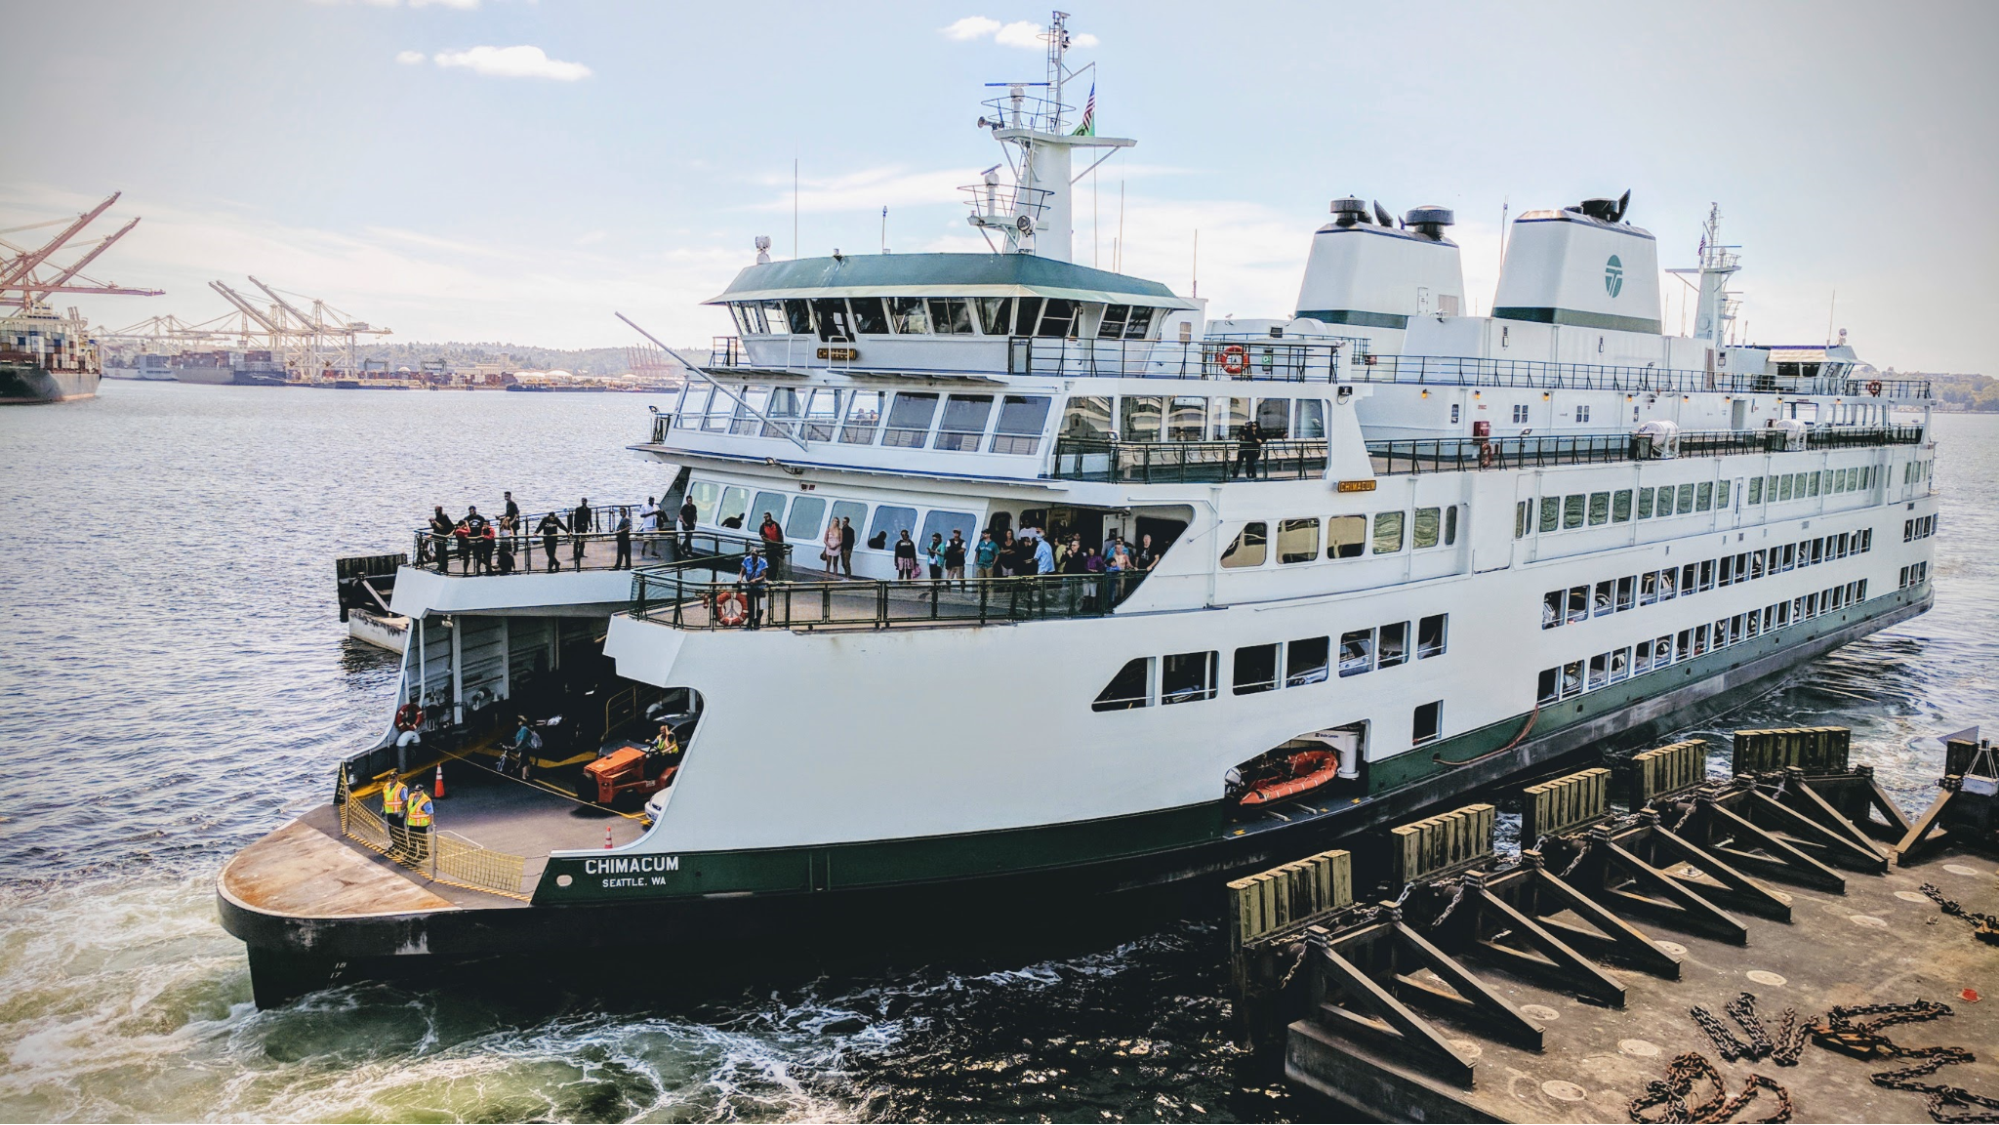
x=607, y=840
x=437, y=793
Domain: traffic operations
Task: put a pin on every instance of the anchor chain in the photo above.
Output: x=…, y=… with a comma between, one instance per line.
x=1984, y=927
x=1681, y=1075
x=1843, y=1030
x=1742, y=1010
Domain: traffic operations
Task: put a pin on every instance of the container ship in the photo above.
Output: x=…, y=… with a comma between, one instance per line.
x=988, y=587
x=46, y=358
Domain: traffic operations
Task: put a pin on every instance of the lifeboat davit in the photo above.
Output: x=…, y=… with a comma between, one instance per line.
x=1306, y=770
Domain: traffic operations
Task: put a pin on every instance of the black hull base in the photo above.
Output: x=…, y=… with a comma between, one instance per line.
x=29, y=385
x=746, y=936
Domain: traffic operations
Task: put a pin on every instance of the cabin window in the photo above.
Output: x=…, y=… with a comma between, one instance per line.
x=964, y=422
x=863, y=417
x=1297, y=540
x=744, y=422
x=1686, y=500
x=1249, y=548
x=822, y=414
x=1110, y=326
x=769, y=504
x=1087, y=417
x=1058, y=318
x=1231, y=415
x=798, y=316
x=909, y=419
x=835, y=323
x=1305, y=661
x=804, y=520
x=1704, y=497
x=1578, y=604
x=944, y=523
x=853, y=511
x=1139, y=417
x=1130, y=688
x=1582, y=414
x=1620, y=506
x=1551, y=513
x=1551, y=608
x=743, y=314
x=1451, y=526
x=1648, y=587
x=1707, y=575
x=1548, y=686
x=735, y=503
x=1387, y=532
x=950, y=316
x=1755, y=491
x=1572, y=511
x=1644, y=503
x=1428, y=723
x=1346, y=536
x=1641, y=660
x=1599, y=508
x=1273, y=417
x=909, y=315
x=1427, y=528
x=1021, y=420
x=1605, y=600
x=1523, y=514
x=1626, y=593
x=1721, y=495
x=1311, y=419
x=1029, y=315
x=1187, y=419
x=1572, y=679
x=1599, y=671
x=704, y=494
x=694, y=406
x=1392, y=645
x=782, y=410
x=890, y=522
x=1432, y=635
x=1620, y=664
x=1139, y=325
x=1188, y=677
x=1666, y=496
x=774, y=318
x=1356, y=652
x=870, y=317
x=995, y=315
x=1255, y=669
x=721, y=409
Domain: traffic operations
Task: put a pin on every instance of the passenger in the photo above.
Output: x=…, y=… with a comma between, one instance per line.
x=514, y=756
x=440, y=539
x=1249, y=447
x=830, y=542
x=1009, y=555
x=1146, y=558
x=1044, y=556
x=905, y=556
x=394, y=796
x=1074, y=557
x=489, y=537
x=648, y=522
x=550, y=527
x=1093, y=562
x=624, y=559
x=688, y=516
x=985, y=556
x=752, y=579
x=463, y=534
x=769, y=531
x=506, y=556
x=933, y=556
x=511, y=510
x=418, y=822
x=954, y=558
x=583, y=521
x=847, y=546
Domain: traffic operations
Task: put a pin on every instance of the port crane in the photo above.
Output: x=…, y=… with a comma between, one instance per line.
x=27, y=275
x=308, y=343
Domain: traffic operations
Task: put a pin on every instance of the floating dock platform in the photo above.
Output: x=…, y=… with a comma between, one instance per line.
x=1783, y=945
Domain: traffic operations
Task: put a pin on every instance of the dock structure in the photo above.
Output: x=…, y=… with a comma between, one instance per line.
x=1781, y=944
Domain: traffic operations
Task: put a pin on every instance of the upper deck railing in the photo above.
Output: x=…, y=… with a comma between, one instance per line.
x=681, y=596
x=1250, y=358
x=1174, y=462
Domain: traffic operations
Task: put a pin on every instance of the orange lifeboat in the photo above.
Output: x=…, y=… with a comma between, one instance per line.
x=1303, y=772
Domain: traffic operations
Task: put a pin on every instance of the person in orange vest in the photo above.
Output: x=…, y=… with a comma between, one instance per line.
x=418, y=822
x=395, y=795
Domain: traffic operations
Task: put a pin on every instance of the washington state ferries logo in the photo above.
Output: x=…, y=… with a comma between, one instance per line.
x=1613, y=276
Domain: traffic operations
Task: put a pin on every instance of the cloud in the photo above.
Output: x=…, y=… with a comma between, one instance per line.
x=1022, y=33
x=513, y=62
x=870, y=189
x=461, y=5
x=592, y=238
x=409, y=58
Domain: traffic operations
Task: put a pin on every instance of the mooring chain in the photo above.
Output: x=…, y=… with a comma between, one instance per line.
x=1457, y=898
x=1682, y=1073
x=1742, y=1009
x=1844, y=1030
x=1984, y=927
x=1791, y=1037
x=1684, y=818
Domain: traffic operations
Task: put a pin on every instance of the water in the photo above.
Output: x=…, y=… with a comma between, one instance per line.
x=175, y=684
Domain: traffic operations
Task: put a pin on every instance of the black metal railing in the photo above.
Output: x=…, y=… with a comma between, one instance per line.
x=532, y=552
x=681, y=598
x=1427, y=455
x=1175, y=462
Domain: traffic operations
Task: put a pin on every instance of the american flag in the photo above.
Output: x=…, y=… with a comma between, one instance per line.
x=1089, y=126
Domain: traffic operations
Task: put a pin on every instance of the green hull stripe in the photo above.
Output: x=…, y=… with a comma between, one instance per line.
x=1355, y=316
x=938, y=858
x=1579, y=319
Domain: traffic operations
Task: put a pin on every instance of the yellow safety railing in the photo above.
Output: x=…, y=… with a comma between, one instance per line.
x=440, y=858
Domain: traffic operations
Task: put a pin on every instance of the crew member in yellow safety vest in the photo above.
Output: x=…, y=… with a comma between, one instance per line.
x=394, y=795
x=419, y=824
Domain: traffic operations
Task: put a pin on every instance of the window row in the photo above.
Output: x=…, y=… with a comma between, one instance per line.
x=964, y=423
x=849, y=318
x=1920, y=528
x=803, y=518
x=1914, y=471
x=1190, y=418
x=1578, y=603
x=1800, y=486
x=1190, y=676
x=1602, y=670
x=1914, y=575
x=1595, y=509
x=1346, y=537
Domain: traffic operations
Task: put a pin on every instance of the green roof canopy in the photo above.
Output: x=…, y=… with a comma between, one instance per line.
x=945, y=275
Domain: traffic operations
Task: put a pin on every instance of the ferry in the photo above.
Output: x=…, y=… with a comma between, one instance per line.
x=1370, y=554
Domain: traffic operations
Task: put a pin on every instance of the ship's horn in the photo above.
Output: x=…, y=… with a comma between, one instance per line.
x=1623, y=205
x=1381, y=215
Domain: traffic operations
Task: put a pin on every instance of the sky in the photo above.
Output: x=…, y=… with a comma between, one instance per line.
x=504, y=170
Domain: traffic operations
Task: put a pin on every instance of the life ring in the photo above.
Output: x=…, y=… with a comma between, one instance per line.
x=1235, y=359
x=408, y=717
x=1485, y=455
x=1874, y=388
x=731, y=608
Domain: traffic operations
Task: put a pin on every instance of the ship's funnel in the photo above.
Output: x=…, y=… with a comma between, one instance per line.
x=1577, y=268
x=1367, y=273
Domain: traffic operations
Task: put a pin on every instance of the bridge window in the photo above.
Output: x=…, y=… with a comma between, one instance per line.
x=870, y=318
x=863, y=416
x=1130, y=688
x=834, y=321
x=804, y=520
x=1306, y=661
x=1087, y=417
x=1111, y=325
x=774, y=319
x=995, y=315
x=950, y=316
x=1297, y=540
x=1139, y=417
x=1058, y=318
x=1387, y=533
x=1028, y=315
x=1188, y=677
x=1346, y=536
x=964, y=422
x=1255, y=669
x=909, y=315
x=1139, y=326
x=1021, y=419
x=1250, y=546
x=798, y=316
x=909, y=419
